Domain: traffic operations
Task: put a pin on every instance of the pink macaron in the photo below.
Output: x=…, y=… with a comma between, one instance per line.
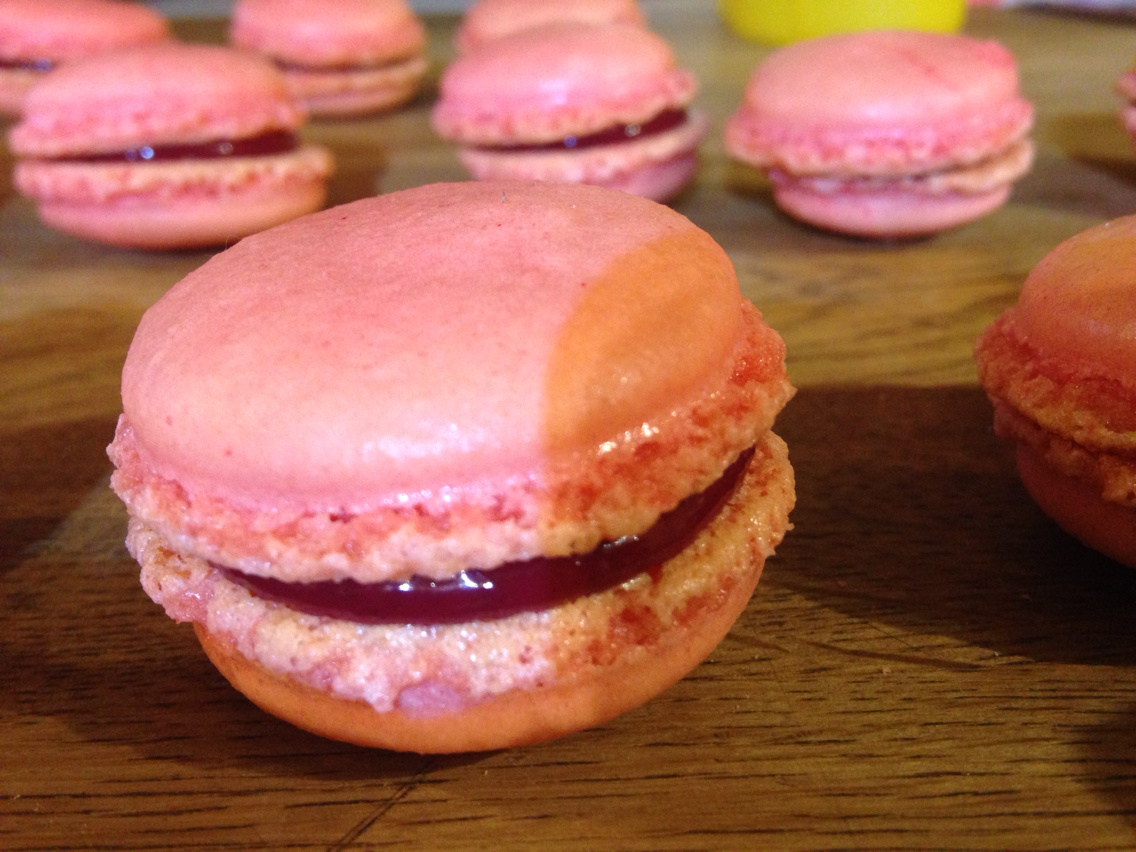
x=574, y=103
x=459, y=467
x=166, y=146
x=37, y=36
x=339, y=57
x=1060, y=369
x=486, y=20
x=886, y=133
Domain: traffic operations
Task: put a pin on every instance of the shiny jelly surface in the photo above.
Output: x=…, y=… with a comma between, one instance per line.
x=661, y=123
x=523, y=586
x=267, y=144
x=42, y=65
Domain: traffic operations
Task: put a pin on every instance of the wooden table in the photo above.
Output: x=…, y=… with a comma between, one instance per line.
x=926, y=663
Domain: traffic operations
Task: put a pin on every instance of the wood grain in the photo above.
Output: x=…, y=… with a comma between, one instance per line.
x=927, y=663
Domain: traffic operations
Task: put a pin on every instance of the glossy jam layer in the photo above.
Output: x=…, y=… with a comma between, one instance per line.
x=527, y=586
x=661, y=123
x=27, y=64
x=267, y=144
x=343, y=68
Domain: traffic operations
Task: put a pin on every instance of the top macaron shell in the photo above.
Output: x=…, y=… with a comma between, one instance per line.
x=879, y=103
x=472, y=407
x=1077, y=308
x=37, y=36
x=486, y=20
x=62, y=30
x=543, y=84
x=169, y=93
x=328, y=33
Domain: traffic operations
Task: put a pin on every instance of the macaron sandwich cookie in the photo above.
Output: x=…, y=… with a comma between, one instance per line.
x=486, y=20
x=339, y=57
x=574, y=103
x=166, y=146
x=37, y=36
x=886, y=133
x=492, y=489
x=1060, y=369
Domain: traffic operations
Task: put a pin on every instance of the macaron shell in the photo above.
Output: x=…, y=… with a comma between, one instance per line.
x=477, y=406
x=176, y=204
x=1077, y=507
x=152, y=95
x=563, y=79
x=185, y=223
x=892, y=212
x=486, y=20
x=882, y=102
x=329, y=33
x=64, y=30
x=1079, y=302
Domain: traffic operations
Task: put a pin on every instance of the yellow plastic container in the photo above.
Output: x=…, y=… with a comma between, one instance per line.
x=783, y=21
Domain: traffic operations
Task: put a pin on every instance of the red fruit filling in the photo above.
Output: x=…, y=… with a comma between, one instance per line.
x=661, y=123
x=342, y=68
x=525, y=586
x=27, y=64
x=277, y=142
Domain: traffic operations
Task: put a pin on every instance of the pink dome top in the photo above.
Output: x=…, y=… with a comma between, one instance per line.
x=1079, y=303
x=439, y=337
x=328, y=32
x=67, y=29
x=561, y=79
x=486, y=20
x=150, y=95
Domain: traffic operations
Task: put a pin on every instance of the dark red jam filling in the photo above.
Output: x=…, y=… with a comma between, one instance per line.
x=41, y=65
x=267, y=144
x=342, y=68
x=526, y=586
x=661, y=123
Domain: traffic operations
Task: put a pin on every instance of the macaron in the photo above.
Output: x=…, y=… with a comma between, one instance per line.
x=486, y=20
x=37, y=36
x=1060, y=369
x=457, y=467
x=886, y=133
x=166, y=146
x=574, y=103
x=339, y=57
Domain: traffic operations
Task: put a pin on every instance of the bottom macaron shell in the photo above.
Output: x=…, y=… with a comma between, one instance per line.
x=519, y=717
x=887, y=213
x=494, y=684
x=182, y=223
x=659, y=181
x=656, y=167
x=1077, y=507
x=176, y=204
x=356, y=91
